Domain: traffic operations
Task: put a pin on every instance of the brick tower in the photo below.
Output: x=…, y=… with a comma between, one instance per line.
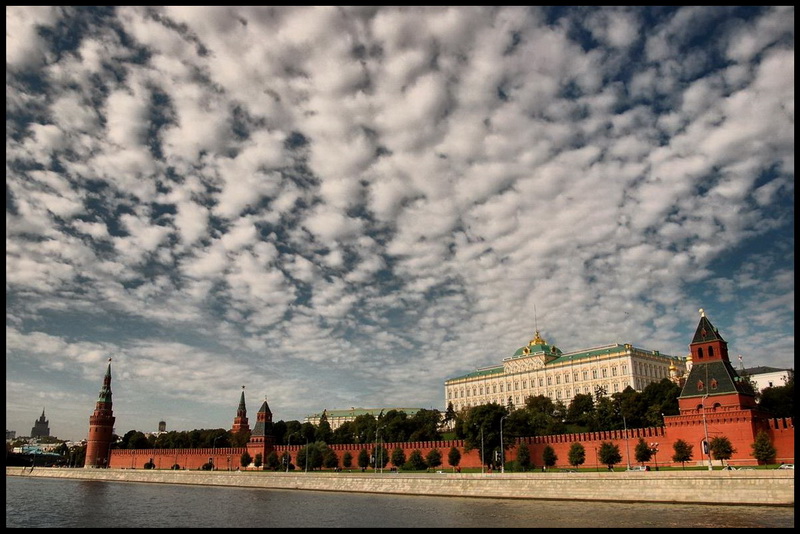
x=240, y=423
x=713, y=383
x=715, y=400
x=101, y=427
x=262, y=440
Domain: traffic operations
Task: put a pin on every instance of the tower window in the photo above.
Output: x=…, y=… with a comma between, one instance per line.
x=710, y=352
x=700, y=353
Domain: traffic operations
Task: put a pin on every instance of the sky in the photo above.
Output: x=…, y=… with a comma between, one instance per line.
x=343, y=207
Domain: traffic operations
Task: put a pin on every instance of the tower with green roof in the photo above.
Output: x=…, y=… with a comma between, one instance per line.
x=101, y=426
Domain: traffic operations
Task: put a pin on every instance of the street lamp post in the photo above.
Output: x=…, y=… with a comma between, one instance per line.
x=287, y=452
x=502, y=447
x=214, y=452
x=482, y=460
x=654, y=449
x=627, y=445
x=306, y=455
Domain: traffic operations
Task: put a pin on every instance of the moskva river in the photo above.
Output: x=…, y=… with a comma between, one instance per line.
x=58, y=503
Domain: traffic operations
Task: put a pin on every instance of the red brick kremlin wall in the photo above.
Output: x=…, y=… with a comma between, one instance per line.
x=739, y=428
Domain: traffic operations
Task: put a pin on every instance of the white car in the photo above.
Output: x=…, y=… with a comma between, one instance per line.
x=786, y=466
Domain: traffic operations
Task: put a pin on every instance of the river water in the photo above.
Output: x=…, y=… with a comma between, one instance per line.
x=58, y=503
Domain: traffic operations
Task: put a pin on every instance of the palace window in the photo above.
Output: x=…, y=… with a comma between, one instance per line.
x=594, y=373
x=501, y=388
x=494, y=388
x=614, y=371
x=540, y=383
x=604, y=373
x=624, y=369
x=549, y=380
x=524, y=384
x=574, y=377
x=558, y=379
x=585, y=375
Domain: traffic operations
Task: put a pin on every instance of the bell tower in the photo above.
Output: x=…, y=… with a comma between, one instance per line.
x=101, y=427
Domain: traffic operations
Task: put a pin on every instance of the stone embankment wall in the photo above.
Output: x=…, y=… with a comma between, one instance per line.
x=756, y=487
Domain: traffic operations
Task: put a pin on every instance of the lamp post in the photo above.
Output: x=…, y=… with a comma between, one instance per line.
x=706, y=444
x=482, y=461
x=627, y=445
x=502, y=447
x=306, y=455
x=287, y=452
x=654, y=450
x=214, y=452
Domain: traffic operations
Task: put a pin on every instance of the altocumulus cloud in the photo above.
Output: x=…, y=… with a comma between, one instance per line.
x=346, y=206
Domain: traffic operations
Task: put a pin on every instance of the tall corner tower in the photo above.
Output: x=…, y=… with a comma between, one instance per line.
x=101, y=427
x=262, y=439
x=240, y=422
x=712, y=381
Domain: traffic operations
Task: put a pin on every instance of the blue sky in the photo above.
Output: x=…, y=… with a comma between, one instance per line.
x=343, y=207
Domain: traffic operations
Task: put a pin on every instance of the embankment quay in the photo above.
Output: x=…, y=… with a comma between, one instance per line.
x=749, y=487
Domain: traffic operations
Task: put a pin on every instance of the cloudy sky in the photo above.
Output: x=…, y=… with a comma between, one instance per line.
x=343, y=207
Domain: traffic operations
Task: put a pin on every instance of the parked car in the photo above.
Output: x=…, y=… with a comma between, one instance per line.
x=786, y=466
x=639, y=468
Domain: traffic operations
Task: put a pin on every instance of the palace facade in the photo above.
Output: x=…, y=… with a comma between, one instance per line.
x=542, y=369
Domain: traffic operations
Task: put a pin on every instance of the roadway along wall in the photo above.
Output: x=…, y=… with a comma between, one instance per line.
x=755, y=487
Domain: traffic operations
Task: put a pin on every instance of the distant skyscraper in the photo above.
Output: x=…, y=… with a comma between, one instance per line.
x=40, y=427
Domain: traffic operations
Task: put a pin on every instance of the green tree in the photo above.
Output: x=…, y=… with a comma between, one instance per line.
x=424, y=425
x=481, y=428
x=398, y=457
x=763, y=450
x=721, y=448
x=347, y=460
x=329, y=458
x=364, y=426
x=549, y=457
x=449, y=415
x=258, y=461
x=380, y=456
x=454, y=457
x=416, y=461
x=523, y=456
x=581, y=409
x=273, y=462
x=682, y=452
x=345, y=433
x=323, y=432
x=434, y=458
x=643, y=453
x=779, y=400
x=363, y=459
x=609, y=454
x=576, y=455
x=245, y=459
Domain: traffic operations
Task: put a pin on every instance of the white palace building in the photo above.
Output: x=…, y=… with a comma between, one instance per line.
x=542, y=369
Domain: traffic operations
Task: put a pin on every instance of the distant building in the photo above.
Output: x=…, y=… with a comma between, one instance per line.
x=162, y=426
x=767, y=377
x=542, y=369
x=337, y=418
x=41, y=428
x=11, y=435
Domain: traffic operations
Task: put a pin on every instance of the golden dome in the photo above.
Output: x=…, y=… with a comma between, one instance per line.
x=537, y=340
